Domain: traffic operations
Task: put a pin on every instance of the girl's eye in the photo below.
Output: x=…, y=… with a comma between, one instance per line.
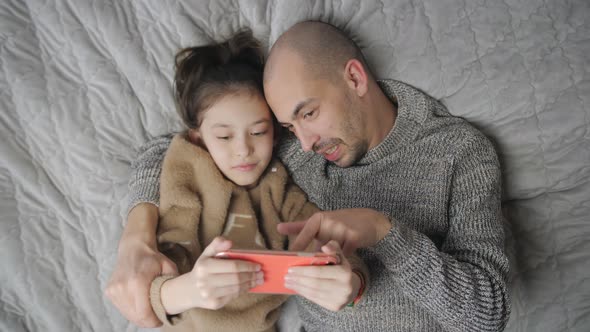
x=259, y=133
x=308, y=114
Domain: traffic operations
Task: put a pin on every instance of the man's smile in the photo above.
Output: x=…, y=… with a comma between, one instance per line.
x=333, y=153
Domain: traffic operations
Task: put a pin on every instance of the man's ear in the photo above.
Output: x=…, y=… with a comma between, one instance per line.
x=195, y=137
x=356, y=76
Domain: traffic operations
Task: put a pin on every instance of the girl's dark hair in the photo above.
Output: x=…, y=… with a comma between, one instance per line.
x=204, y=74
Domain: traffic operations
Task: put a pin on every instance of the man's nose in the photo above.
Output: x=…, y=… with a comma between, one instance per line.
x=307, y=140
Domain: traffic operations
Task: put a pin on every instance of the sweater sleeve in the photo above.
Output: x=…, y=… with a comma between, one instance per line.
x=144, y=185
x=463, y=283
x=290, y=153
x=156, y=300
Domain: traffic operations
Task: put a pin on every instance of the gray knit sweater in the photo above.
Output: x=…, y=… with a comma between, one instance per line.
x=442, y=266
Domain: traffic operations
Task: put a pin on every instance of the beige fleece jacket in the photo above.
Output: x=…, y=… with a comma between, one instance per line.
x=197, y=203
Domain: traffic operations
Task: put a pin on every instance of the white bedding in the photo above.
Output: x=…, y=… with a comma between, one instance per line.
x=84, y=83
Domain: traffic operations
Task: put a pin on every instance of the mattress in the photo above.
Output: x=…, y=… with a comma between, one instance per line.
x=83, y=84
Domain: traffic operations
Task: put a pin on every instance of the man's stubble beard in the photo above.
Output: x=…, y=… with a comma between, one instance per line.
x=353, y=128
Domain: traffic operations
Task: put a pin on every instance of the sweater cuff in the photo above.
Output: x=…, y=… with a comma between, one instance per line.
x=356, y=263
x=144, y=191
x=156, y=300
x=403, y=251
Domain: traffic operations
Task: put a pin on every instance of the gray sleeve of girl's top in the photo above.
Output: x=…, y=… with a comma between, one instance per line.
x=144, y=184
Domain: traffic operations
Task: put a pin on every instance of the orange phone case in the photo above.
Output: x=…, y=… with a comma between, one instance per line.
x=275, y=263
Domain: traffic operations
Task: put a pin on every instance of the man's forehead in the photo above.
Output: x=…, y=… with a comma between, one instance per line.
x=281, y=63
x=288, y=97
x=287, y=87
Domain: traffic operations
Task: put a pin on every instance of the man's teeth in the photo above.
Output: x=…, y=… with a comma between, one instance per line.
x=331, y=150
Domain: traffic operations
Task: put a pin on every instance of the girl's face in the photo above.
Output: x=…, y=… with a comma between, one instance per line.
x=238, y=133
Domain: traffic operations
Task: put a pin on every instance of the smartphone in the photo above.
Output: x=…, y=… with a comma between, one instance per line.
x=275, y=263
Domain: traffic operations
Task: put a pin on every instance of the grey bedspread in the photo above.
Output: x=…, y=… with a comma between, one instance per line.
x=83, y=84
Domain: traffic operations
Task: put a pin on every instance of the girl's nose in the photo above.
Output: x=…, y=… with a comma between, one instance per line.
x=243, y=148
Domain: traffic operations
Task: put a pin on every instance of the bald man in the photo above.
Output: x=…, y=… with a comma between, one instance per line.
x=414, y=190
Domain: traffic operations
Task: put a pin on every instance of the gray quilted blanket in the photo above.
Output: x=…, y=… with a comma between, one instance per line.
x=83, y=84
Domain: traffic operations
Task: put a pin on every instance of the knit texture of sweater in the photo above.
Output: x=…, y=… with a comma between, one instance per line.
x=442, y=267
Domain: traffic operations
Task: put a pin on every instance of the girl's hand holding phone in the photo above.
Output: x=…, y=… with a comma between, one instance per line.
x=212, y=283
x=330, y=286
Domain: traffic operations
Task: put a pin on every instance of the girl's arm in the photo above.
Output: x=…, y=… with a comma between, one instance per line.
x=205, y=282
x=211, y=284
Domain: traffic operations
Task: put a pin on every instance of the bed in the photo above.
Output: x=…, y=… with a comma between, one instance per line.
x=83, y=84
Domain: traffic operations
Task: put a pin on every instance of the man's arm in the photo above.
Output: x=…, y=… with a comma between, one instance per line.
x=138, y=260
x=464, y=283
x=144, y=184
x=138, y=263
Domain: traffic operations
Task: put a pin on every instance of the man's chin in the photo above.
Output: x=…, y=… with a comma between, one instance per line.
x=347, y=159
x=342, y=162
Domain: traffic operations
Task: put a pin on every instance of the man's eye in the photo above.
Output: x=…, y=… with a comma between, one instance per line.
x=224, y=138
x=308, y=114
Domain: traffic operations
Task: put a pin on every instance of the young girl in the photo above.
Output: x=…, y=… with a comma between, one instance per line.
x=220, y=188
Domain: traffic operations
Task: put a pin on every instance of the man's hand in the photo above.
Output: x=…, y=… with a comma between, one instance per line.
x=351, y=228
x=138, y=264
x=330, y=286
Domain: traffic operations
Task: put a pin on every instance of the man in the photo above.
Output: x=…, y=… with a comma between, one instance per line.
x=415, y=189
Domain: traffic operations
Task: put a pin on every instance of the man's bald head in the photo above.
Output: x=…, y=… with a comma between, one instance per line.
x=318, y=86
x=323, y=49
